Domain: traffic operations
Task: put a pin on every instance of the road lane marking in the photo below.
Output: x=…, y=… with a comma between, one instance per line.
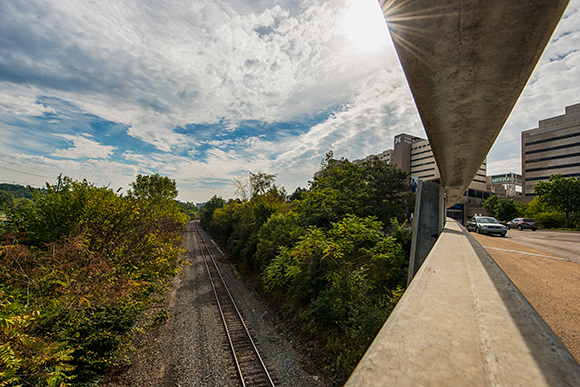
x=521, y=252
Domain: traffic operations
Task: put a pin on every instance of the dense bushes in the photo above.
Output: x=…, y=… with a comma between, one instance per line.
x=333, y=255
x=77, y=269
x=562, y=195
x=556, y=206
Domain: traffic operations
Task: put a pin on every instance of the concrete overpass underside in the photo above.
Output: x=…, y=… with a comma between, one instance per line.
x=461, y=321
x=467, y=62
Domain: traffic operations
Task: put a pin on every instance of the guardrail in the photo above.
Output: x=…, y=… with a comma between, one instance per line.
x=462, y=322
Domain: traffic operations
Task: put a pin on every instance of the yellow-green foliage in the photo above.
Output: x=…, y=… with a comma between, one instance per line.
x=334, y=255
x=77, y=269
x=346, y=279
x=23, y=354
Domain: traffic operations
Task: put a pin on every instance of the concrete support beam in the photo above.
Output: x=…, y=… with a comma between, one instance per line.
x=467, y=63
x=428, y=222
x=462, y=322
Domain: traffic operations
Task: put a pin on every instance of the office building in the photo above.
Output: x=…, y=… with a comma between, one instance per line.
x=414, y=155
x=505, y=185
x=386, y=156
x=551, y=148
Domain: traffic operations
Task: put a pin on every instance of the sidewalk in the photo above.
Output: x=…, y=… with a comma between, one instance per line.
x=550, y=284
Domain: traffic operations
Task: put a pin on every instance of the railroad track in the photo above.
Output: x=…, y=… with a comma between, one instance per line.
x=250, y=370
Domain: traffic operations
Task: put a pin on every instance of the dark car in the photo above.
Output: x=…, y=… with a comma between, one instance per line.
x=522, y=223
x=485, y=225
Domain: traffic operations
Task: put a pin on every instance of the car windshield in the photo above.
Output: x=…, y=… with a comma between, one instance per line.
x=487, y=220
x=528, y=220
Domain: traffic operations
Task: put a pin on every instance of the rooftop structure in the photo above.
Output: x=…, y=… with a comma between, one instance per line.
x=505, y=185
x=414, y=155
x=553, y=147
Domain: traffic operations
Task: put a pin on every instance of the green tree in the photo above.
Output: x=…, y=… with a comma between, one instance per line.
x=281, y=230
x=153, y=188
x=503, y=210
x=190, y=209
x=491, y=205
x=345, y=277
x=6, y=200
x=388, y=185
x=206, y=212
x=297, y=194
x=19, y=191
x=508, y=210
x=237, y=224
x=20, y=203
x=562, y=194
x=57, y=212
x=373, y=188
x=546, y=216
x=261, y=182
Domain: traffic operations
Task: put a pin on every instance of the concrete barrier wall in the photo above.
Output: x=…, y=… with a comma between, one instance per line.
x=462, y=322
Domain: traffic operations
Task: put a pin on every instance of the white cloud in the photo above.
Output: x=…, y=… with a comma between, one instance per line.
x=21, y=102
x=156, y=65
x=507, y=165
x=554, y=84
x=83, y=147
x=366, y=125
x=251, y=143
x=164, y=71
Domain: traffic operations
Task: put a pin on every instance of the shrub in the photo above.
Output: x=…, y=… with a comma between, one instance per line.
x=78, y=268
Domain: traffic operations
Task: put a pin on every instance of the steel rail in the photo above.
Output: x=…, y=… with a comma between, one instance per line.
x=205, y=252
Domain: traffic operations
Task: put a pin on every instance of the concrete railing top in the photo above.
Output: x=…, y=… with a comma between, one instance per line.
x=462, y=322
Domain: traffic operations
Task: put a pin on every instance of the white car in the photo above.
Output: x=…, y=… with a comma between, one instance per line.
x=486, y=225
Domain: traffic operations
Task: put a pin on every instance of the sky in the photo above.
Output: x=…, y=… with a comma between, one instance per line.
x=206, y=91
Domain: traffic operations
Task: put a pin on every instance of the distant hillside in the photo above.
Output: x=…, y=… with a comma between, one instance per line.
x=19, y=191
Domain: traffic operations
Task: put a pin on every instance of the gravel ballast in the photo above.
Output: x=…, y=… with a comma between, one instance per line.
x=189, y=349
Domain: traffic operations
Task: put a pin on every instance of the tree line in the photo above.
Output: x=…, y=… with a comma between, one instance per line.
x=79, y=265
x=557, y=204
x=333, y=256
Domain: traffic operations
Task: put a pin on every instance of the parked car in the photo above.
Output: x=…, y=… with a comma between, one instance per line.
x=485, y=225
x=521, y=223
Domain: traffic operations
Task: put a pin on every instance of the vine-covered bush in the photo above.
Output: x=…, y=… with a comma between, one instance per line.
x=77, y=269
x=333, y=256
x=346, y=279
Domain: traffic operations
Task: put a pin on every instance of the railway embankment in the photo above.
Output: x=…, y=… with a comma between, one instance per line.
x=189, y=349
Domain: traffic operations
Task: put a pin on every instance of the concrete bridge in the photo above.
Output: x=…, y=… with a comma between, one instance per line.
x=462, y=322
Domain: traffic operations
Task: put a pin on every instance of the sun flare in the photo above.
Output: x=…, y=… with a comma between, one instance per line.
x=364, y=25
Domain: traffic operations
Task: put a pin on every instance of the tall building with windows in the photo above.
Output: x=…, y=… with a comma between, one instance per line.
x=506, y=185
x=553, y=147
x=386, y=156
x=414, y=155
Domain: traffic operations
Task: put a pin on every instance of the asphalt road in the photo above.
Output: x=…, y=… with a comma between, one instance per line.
x=562, y=244
x=545, y=267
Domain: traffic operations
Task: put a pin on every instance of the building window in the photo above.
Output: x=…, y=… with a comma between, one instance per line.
x=553, y=148
x=424, y=170
x=553, y=158
x=553, y=139
x=423, y=158
x=548, y=177
x=420, y=165
x=553, y=167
